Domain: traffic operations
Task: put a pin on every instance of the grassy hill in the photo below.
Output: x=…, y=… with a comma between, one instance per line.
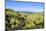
x=16, y=20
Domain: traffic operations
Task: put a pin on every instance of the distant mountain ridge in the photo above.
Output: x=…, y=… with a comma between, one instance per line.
x=24, y=12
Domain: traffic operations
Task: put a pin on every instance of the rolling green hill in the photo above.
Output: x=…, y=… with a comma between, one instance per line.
x=16, y=20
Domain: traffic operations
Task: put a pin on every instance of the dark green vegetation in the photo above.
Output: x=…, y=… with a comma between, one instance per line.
x=20, y=20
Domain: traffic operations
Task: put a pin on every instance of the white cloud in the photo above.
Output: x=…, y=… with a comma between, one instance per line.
x=28, y=9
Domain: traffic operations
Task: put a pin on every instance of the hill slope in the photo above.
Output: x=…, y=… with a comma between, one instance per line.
x=19, y=21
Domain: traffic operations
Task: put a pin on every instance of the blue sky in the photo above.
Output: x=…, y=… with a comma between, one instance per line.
x=25, y=6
